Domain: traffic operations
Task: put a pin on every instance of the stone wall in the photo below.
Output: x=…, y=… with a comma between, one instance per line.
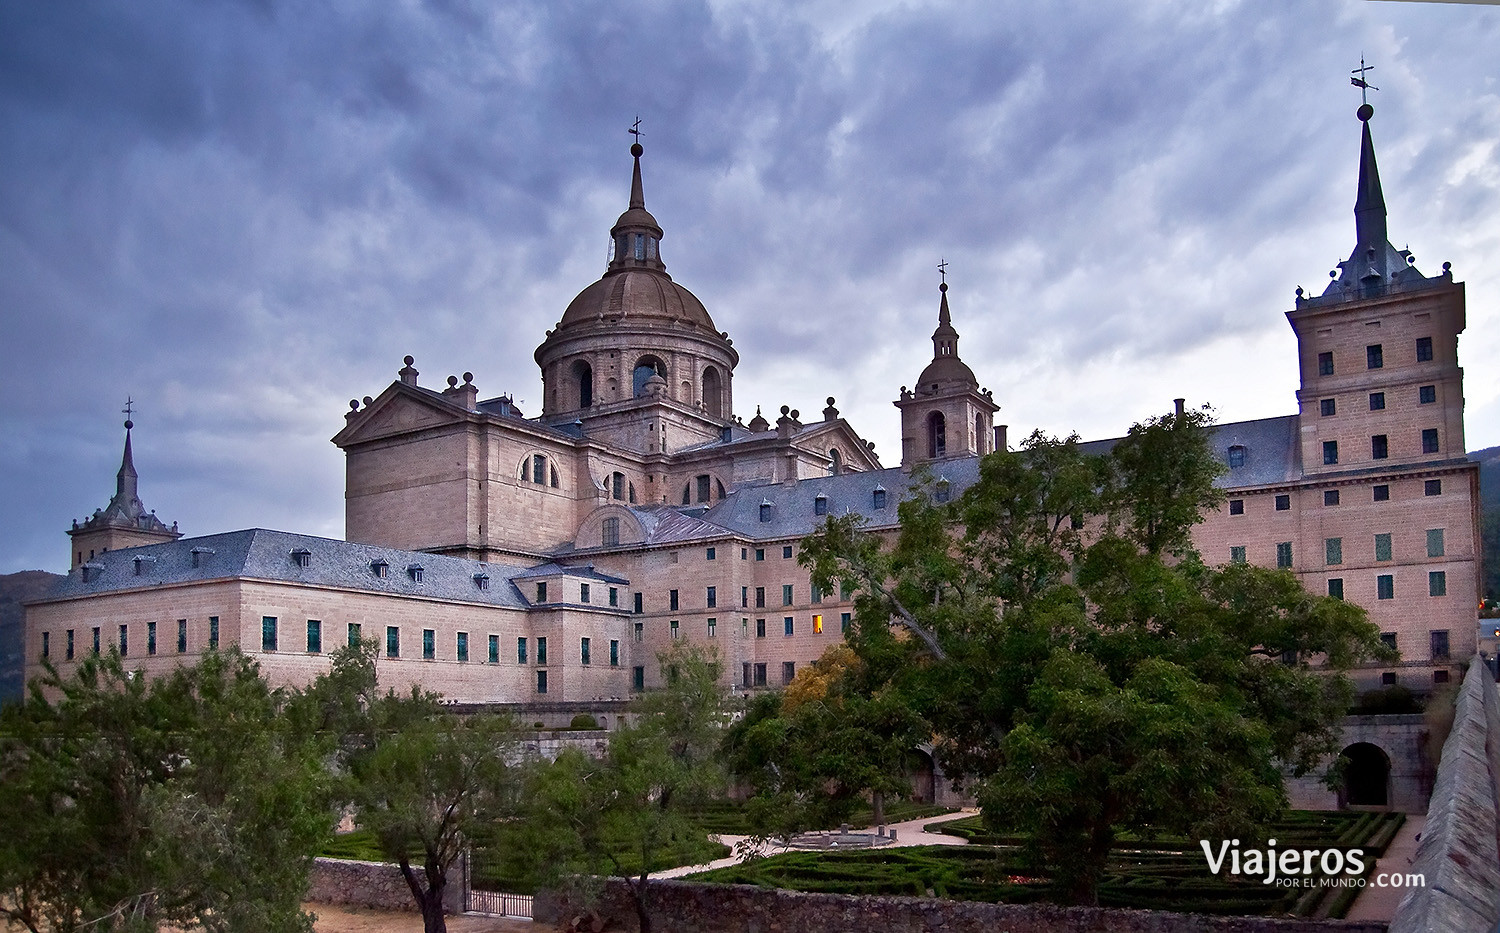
x=377, y=885
x=684, y=907
x=1459, y=856
x=1403, y=738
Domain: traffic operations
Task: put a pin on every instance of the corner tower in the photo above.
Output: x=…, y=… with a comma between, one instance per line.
x=636, y=335
x=124, y=522
x=947, y=414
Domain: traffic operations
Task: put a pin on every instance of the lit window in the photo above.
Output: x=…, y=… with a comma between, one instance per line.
x=817, y=624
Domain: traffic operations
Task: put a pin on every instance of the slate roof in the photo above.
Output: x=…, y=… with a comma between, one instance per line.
x=267, y=555
x=1272, y=453
x=554, y=569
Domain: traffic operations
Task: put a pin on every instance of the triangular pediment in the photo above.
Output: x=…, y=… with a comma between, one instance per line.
x=838, y=435
x=399, y=410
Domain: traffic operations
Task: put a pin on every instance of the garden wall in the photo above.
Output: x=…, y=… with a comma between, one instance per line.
x=378, y=885
x=685, y=907
x=1459, y=856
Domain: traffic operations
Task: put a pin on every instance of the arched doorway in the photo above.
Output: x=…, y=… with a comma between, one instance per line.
x=1367, y=776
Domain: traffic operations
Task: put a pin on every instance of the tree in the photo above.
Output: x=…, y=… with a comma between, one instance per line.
x=1079, y=663
x=126, y=803
x=422, y=780
x=628, y=813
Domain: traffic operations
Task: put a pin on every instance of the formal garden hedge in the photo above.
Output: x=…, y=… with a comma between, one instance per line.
x=727, y=817
x=1169, y=874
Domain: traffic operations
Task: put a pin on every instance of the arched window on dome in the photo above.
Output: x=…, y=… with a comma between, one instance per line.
x=713, y=393
x=583, y=381
x=836, y=466
x=645, y=368
x=640, y=246
x=937, y=435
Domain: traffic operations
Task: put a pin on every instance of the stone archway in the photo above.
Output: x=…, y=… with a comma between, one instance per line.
x=923, y=773
x=1367, y=776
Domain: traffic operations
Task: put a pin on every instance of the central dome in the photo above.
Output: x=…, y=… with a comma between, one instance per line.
x=638, y=296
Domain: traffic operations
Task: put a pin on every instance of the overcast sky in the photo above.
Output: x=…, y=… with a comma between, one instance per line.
x=243, y=214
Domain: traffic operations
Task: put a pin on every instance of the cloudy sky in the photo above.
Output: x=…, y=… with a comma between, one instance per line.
x=243, y=214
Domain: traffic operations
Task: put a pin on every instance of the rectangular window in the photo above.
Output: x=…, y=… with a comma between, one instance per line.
x=760, y=675
x=638, y=607
x=96, y=639
x=1383, y=546
x=786, y=594
x=744, y=597
x=744, y=628
x=1236, y=554
x=352, y=636
x=760, y=553
x=461, y=646
x=744, y=553
x=1439, y=644
x=614, y=652
x=151, y=638
x=520, y=651
x=638, y=678
x=541, y=681
x=640, y=631
x=1333, y=550
x=314, y=636
x=1382, y=493
x=713, y=553
x=541, y=592
x=760, y=628
x=494, y=646
x=429, y=644
x=672, y=600
x=583, y=592
x=69, y=647
x=1424, y=349
x=817, y=624
x=788, y=671
x=1379, y=448
x=1336, y=587
x=760, y=597
x=46, y=644
x=1284, y=554
x=268, y=633
x=1330, y=497
x=541, y=651
x=584, y=651
x=1325, y=364
x=1387, y=679
x=673, y=626
x=1432, y=487
x=1439, y=677
x=1388, y=639
x=1435, y=542
x=713, y=597
x=815, y=593
x=1426, y=395
x=786, y=552
x=1283, y=503
x=1236, y=456
x=609, y=532
x=392, y=641
x=181, y=636
x=1437, y=583
x=1377, y=401
x=1374, y=356
x=844, y=619
x=820, y=505
x=1385, y=586
x=614, y=596
x=1236, y=506
x=1327, y=407
x=745, y=673
x=1429, y=440
x=713, y=628
x=788, y=624
x=1330, y=452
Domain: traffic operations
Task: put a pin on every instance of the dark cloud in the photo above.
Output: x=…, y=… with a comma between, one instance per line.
x=245, y=213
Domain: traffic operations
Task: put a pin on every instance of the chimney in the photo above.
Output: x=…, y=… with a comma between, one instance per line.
x=1000, y=436
x=1179, y=403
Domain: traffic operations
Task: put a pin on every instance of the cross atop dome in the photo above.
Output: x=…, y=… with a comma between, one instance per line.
x=636, y=236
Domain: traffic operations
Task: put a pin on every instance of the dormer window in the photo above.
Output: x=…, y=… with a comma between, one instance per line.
x=200, y=554
x=380, y=568
x=415, y=572
x=482, y=580
x=942, y=491
x=878, y=500
x=765, y=510
x=302, y=557
x=141, y=563
x=1236, y=456
x=820, y=505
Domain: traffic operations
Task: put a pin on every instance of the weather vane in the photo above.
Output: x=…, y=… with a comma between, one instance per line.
x=943, y=270
x=129, y=406
x=1359, y=80
x=635, y=128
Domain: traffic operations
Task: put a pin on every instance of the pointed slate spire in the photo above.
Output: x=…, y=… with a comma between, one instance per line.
x=637, y=191
x=1369, y=203
x=945, y=338
x=127, y=481
x=636, y=236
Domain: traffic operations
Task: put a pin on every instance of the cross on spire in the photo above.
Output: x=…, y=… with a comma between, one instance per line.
x=1361, y=81
x=635, y=128
x=129, y=407
x=943, y=270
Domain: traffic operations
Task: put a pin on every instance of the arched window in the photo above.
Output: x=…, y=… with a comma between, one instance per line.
x=645, y=367
x=687, y=494
x=937, y=435
x=719, y=486
x=837, y=466
x=554, y=483
x=583, y=380
x=701, y=482
x=632, y=492
x=979, y=433
x=610, y=532
x=617, y=485
x=713, y=393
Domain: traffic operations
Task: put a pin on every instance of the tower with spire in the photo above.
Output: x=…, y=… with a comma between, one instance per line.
x=124, y=522
x=1378, y=349
x=946, y=414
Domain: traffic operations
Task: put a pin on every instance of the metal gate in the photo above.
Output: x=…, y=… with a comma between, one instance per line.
x=485, y=900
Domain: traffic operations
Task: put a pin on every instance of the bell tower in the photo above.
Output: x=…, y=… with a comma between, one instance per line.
x=125, y=521
x=946, y=414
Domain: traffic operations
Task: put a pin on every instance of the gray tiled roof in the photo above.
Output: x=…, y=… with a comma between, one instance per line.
x=267, y=555
x=554, y=569
x=1272, y=454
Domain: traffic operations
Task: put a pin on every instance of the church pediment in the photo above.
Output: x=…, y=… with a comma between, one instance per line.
x=399, y=410
x=829, y=436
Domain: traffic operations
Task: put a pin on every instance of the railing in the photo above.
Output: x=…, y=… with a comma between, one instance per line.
x=497, y=903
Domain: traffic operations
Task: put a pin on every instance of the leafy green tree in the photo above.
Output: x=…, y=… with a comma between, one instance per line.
x=128, y=802
x=629, y=812
x=1079, y=663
